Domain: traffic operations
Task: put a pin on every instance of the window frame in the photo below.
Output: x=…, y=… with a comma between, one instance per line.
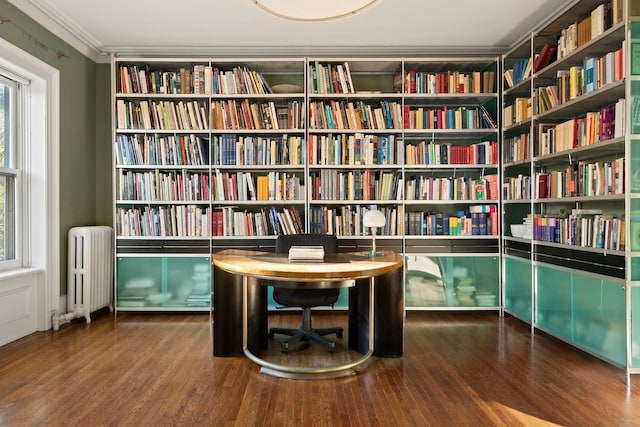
x=18, y=123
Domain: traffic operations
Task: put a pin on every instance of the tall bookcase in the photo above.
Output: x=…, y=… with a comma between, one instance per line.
x=452, y=178
x=212, y=153
x=568, y=167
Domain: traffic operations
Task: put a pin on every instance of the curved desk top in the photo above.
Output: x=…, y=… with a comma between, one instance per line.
x=334, y=267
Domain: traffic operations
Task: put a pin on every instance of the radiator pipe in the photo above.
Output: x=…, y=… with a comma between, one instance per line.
x=58, y=319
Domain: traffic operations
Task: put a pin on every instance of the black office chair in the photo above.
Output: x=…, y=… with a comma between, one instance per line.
x=306, y=298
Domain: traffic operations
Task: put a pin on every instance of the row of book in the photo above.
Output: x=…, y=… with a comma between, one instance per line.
x=148, y=150
x=432, y=153
x=571, y=38
x=162, y=186
x=355, y=115
x=233, y=114
x=341, y=149
x=200, y=289
x=243, y=186
x=592, y=230
x=233, y=150
x=448, y=118
x=330, y=184
x=579, y=33
x=420, y=187
x=581, y=80
x=330, y=78
x=479, y=220
x=245, y=115
x=231, y=221
x=594, y=127
x=520, y=110
x=162, y=115
x=516, y=148
x=347, y=220
x=194, y=115
x=200, y=79
x=582, y=179
x=354, y=149
x=197, y=221
x=517, y=187
x=164, y=221
x=449, y=82
x=325, y=185
x=522, y=69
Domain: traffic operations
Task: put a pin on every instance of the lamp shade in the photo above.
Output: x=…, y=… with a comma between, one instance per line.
x=313, y=10
x=374, y=218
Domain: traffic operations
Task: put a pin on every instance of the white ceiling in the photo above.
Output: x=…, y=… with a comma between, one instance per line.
x=238, y=27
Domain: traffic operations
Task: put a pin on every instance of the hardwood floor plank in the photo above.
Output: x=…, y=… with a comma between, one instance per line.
x=158, y=369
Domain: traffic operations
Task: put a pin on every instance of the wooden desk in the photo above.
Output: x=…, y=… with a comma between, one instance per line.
x=240, y=302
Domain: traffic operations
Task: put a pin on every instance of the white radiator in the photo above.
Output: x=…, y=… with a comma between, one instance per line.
x=89, y=273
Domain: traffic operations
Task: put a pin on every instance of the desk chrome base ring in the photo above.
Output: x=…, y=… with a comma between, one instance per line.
x=307, y=373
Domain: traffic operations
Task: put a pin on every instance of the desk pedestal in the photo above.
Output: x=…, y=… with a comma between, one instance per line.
x=388, y=308
x=389, y=315
x=227, y=315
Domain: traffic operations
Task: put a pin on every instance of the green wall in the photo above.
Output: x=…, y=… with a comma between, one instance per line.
x=103, y=146
x=85, y=184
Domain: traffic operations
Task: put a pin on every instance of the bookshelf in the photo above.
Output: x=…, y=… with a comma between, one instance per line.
x=353, y=149
x=566, y=145
x=451, y=176
x=208, y=154
x=213, y=153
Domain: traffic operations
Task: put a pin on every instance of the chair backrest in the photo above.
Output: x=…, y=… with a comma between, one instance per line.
x=328, y=241
x=306, y=297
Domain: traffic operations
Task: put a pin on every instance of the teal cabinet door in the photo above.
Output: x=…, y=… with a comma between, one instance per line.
x=599, y=317
x=163, y=282
x=586, y=310
x=433, y=281
x=518, y=287
x=553, y=311
x=635, y=327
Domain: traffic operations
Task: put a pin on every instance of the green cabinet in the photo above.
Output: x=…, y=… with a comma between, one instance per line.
x=599, y=316
x=635, y=328
x=553, y=310
x=153, y=282
x=586, y=310
x=517, y=287
x=447, y=281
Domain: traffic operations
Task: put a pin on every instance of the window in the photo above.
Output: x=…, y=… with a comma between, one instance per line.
x=10, y=121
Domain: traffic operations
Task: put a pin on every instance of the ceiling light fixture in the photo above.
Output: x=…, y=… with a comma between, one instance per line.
x=313, y=10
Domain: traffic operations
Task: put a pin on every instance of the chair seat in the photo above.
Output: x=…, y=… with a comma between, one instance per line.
x=305, y=298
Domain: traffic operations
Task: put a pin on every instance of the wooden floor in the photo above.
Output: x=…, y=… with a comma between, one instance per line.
x=459, y=369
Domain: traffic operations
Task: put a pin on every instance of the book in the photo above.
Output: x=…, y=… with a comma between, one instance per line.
x=544, y=58
x=306, y=253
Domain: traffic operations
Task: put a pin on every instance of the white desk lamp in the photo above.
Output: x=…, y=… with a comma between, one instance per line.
x=373, y=219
